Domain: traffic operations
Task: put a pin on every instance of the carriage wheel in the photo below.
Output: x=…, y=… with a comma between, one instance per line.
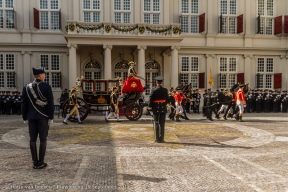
x=83, y=110
x=133, y=111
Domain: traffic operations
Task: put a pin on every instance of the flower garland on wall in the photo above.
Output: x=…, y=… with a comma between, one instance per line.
x=141, y=29
x=125, y=29
x=90, y=27
x=164, y=30
x=177, y=30
x=71, y=27
x=107, y=28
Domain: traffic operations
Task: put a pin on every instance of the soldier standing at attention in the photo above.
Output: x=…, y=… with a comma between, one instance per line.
x=157, y=103
x=114, y=105
x=38, y=110
x=240, y=101
x=73, y=102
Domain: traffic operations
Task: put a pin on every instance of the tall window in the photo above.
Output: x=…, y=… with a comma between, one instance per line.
x=266, y=12
x=152, y=11
x=228, y=70
x=49, y=14
x=91, y=10
x=6, y=14
x=121, y=70
x=189, y=70
x=190, y=16
x=265, y=70
x=122, y=11
x=228, y=9
x=92, y=70
x=51, y=63
x=152, y=70
x=7, y=70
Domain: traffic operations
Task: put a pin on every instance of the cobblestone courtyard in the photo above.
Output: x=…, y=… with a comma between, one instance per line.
x=198, y=155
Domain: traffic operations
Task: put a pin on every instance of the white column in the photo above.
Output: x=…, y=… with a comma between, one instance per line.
x=247, y=69
x=72, y=65
x=174, y=66
x=27, y=66
x=141, y=62
x=107, y=61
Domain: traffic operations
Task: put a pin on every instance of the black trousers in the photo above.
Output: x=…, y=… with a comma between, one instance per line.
x=38, y=127
x=159, y=125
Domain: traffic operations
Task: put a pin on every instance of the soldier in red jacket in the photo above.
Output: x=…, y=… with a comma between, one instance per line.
x=178, y=100
x=240, y=101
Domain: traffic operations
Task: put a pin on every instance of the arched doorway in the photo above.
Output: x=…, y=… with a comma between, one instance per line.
x=121, y=69
x=152, y=70
x=92, y=70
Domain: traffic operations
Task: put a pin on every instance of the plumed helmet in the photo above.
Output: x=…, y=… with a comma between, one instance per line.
x=132, y=62
x=73, y=89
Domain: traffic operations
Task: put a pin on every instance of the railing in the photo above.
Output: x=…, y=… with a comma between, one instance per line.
x=123, y=29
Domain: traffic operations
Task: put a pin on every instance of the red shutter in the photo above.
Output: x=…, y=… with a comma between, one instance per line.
x=286, y=24
x=202, y=23
x=258, y=24
x=240, y=24
x=36, y=18
x=60, y=19
x=220, y=23
x=240, y=78
x=277, y=80
x=201, y=80
x=278, y=25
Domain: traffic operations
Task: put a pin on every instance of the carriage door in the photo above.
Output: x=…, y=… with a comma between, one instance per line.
x=92, y=70
x=152, y=70
x=121, y=70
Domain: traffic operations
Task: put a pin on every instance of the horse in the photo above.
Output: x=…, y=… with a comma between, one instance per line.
x=216, y=99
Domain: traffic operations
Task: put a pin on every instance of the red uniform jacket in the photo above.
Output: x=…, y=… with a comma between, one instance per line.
x=240, y=96
x=178, y=98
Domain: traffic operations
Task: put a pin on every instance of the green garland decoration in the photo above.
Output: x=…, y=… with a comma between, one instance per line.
x=177, y=30
x=141, y=29
x=126, y=29
x=90, y=27
x=71, y=27
x=165, y=30
x=107, y=28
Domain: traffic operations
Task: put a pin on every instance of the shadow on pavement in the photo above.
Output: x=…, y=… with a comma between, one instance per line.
x=129, y=177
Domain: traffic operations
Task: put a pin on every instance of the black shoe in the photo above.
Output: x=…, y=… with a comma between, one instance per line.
x=186, y=118
x=106, y=120
x=41, y=165
x=81, y=122
x=119, y=121
x=65, y=122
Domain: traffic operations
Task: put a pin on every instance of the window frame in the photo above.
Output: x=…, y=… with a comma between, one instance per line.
x=151, y=12
x=190, y=15
x=265, y=17
x=265, y=73
x=49, y=11
x=227, y=73
x=229, y=16
x=122, y=12
x=4, y=9
x=50, y=71
x=190, y=72
x=92, y=11
x=6, y=71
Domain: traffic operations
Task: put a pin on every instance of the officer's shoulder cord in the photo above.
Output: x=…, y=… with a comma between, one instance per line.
x=33, y=104
x=39, y=92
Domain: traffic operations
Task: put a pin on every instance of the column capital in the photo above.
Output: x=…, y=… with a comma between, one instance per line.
x=209, y=55
x=72, y=45
x=142, y=47
x=247, y=55
x=108, y=47
x=175, y=47
x=26, y=52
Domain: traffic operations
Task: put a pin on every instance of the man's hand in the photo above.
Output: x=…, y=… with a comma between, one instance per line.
x=50, y=121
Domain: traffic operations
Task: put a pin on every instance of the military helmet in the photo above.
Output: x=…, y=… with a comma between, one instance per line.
x=132, y=62
x=73, y=89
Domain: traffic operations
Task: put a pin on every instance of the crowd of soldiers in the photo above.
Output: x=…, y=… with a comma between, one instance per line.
x=266, y=101
x=10, y=102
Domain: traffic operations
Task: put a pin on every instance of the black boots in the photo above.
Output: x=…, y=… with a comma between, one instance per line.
x=240, y=119
x=42, y=151
x=177, y=118
x=33, y=149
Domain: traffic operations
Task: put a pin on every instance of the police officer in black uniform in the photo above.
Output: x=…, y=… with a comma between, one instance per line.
x=38, y=110
x=157, y=103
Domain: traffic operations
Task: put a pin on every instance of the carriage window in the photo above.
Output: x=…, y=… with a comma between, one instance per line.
x=189, y=70
x=228, y=70
x=266, y=12
x=190, y=16
x=92, y=70
x=265, y=66
x=152, y=70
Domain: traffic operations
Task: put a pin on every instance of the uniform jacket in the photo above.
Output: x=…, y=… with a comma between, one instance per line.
x=178, y=98
x=73, y=100
x=28, y=110
x=114, y=99
x=159, y=93
x=240, y=96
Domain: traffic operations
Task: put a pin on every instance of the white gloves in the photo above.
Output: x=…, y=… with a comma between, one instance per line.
x=25, y=121
x=50, y=121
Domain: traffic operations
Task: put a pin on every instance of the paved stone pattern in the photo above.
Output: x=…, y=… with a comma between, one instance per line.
x=212, y=156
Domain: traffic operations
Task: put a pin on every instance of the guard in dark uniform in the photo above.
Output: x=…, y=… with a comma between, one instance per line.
x=18, y=100
x=8, y=101
x=284, y=101
x=277, y=102
x=172, y=104
x=157, y=103
x=3, y=102
x=0, y=102
x=38, y=110
x=249, y=100
x=204, y=103
x=259, y=98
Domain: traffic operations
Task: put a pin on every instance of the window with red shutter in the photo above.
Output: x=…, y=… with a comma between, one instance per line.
x=240, y=24
x=240, y=78
x=278, y=25
x=202, y=23
x=201, y=80
x=277, y=80
x=286, y=24
x=220, y=24
x=36, y=18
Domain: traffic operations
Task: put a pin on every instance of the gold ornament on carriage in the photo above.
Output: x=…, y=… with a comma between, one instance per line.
x=101, y=99
x=133, y=85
